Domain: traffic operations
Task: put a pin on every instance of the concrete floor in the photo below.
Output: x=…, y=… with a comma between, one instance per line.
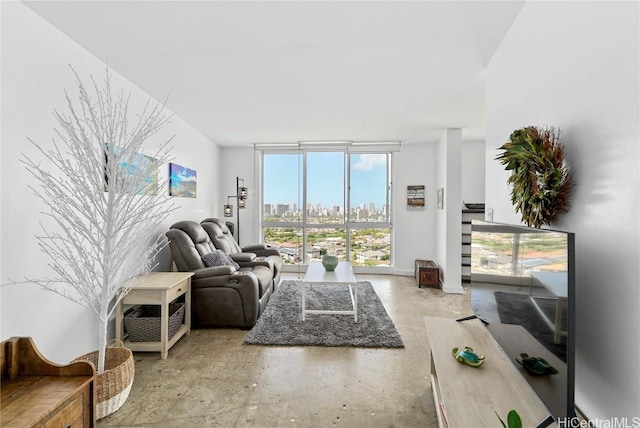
x=211, y=379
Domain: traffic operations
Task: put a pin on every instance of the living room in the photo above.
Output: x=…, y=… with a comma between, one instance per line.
x=573, y=65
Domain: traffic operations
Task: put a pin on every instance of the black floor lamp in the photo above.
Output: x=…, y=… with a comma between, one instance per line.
x=241, y=196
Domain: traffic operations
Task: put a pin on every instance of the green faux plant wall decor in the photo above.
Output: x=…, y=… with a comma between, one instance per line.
x=540, y=179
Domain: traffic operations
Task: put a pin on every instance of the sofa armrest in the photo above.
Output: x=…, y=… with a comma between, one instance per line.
x=258, y=261
x=262, y=250
x=268, y=252
x=242, y=257
x=213, y=272
x=250, y=248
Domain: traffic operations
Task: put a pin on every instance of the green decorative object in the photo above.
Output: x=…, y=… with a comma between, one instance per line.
x=468, y=357
x=540, y=179
x=536, y=365
x=513, y=420
x=330, y=263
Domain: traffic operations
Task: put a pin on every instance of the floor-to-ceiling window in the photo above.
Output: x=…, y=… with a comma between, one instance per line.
x=335, y=201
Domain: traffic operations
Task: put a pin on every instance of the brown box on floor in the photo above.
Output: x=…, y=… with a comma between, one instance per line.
x=427, y=273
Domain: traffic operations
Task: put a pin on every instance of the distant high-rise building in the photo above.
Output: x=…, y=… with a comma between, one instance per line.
x=372, y=207
x=267, y=209
x=361, y=214
x=282, y=209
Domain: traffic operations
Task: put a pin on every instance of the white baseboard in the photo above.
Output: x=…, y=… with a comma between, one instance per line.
x=403, y=272
x=452, y=289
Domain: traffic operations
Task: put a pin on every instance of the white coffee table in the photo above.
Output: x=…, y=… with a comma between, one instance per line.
x=343, y=275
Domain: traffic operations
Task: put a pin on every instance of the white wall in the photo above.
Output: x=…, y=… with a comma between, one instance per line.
x=414, y=230
x=473, y=153
x=574, y=65
x=239, y=163
x=35, y=59
x=449, y=219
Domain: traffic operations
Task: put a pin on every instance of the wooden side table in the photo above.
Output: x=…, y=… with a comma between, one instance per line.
x=158, y=288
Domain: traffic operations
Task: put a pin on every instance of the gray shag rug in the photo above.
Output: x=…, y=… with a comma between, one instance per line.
x=281, y=323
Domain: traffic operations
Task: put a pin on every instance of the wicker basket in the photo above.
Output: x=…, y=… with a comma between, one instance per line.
x=143, y=323
x=114, y=384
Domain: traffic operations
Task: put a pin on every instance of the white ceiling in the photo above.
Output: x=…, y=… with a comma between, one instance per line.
x=268, y=72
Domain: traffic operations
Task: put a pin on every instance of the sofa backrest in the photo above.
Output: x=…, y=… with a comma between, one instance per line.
x=189, y=242
x=220, y=235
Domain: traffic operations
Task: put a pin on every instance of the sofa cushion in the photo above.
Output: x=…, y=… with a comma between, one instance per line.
x=218, y=258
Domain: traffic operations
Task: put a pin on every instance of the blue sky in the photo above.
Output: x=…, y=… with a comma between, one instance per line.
x=178, y=173
x=325, y=178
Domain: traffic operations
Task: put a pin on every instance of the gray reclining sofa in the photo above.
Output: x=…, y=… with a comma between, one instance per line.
x=224, y=294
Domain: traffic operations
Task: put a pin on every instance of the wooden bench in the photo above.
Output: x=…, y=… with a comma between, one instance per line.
x=35, y=392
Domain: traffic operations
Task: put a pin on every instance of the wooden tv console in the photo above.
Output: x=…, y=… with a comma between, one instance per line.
x=35, y=392
x=470, y=397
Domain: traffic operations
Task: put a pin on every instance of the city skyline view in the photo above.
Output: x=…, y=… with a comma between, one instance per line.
x=325, y=180
x=325, y=226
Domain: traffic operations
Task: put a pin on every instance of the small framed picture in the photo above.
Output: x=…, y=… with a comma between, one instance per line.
x=441, y=198
x=415, y=197
x=182, y=181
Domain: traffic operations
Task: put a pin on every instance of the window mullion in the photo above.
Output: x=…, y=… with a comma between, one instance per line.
x=389, y=175
x=304, y=207
x=347, y=205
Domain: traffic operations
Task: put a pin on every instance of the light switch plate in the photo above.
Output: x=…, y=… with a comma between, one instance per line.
x=488, y=215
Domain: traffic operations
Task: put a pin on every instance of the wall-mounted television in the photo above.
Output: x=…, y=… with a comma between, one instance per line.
x=523, y=288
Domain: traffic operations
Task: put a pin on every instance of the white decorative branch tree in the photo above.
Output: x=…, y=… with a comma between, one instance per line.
x=104, y=200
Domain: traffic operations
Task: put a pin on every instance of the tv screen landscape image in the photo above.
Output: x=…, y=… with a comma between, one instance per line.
x=522, y=288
